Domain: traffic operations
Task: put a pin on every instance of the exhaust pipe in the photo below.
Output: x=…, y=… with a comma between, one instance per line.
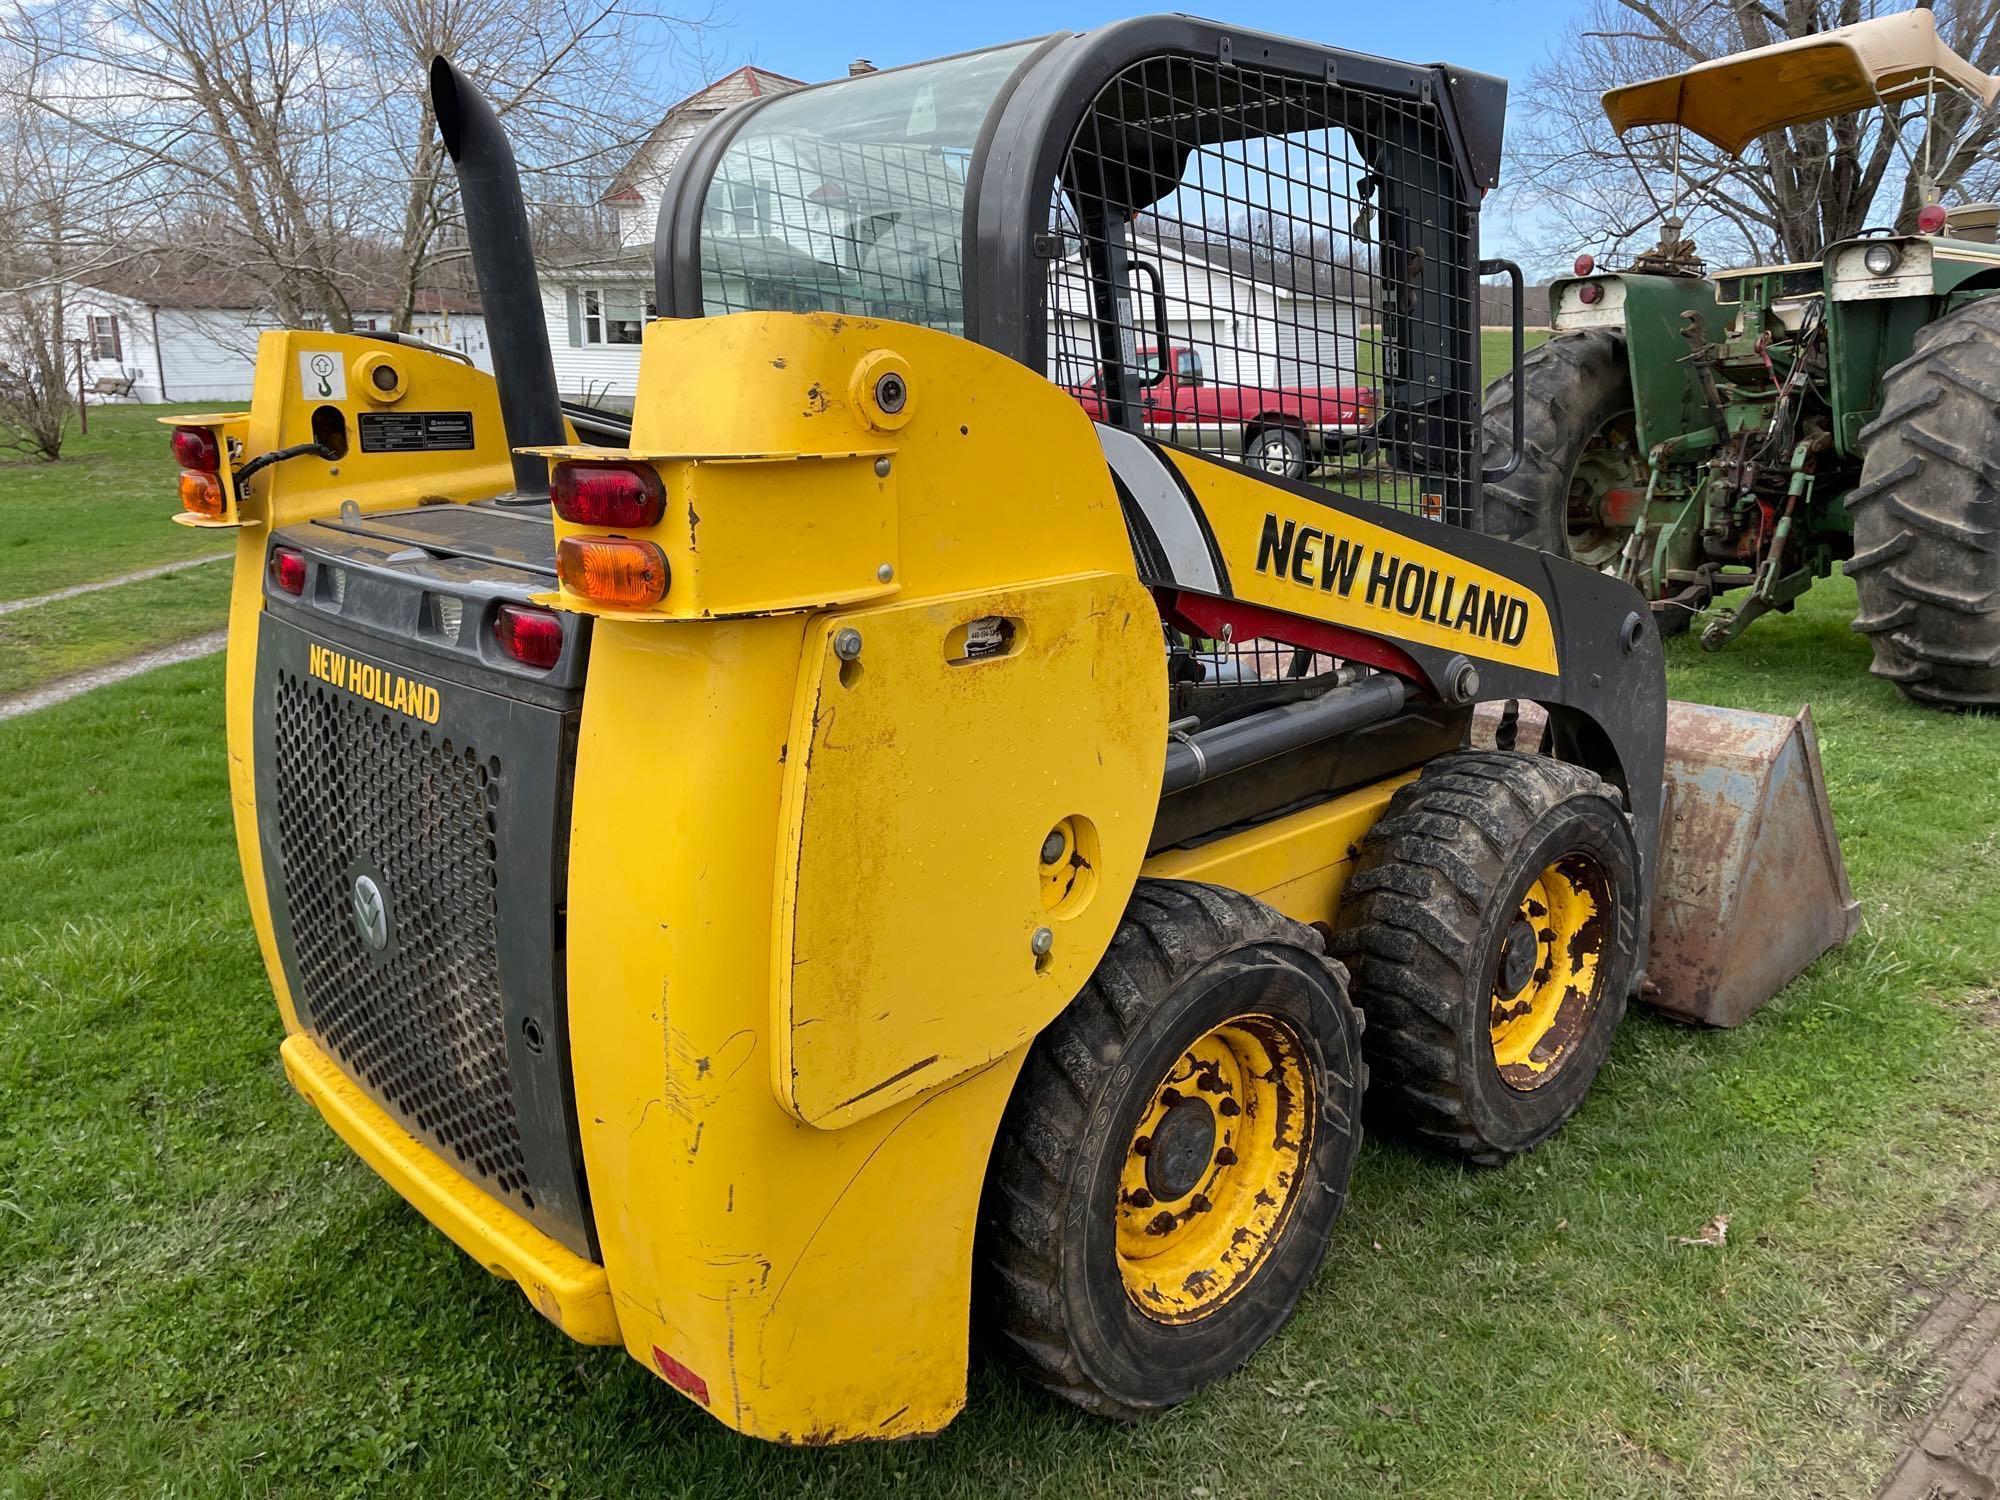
x=496, y=228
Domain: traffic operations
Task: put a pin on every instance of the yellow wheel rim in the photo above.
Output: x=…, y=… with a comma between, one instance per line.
x=1546, y=979
x=1213, y=1170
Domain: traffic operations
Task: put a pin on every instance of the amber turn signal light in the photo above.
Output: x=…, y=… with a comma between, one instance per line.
x=613, y=570
x=201, y=493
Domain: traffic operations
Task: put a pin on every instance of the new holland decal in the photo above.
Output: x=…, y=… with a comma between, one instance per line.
x=1349, y=569
x=391, y=690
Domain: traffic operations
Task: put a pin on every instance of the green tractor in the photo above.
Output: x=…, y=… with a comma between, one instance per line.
x=1708, y=435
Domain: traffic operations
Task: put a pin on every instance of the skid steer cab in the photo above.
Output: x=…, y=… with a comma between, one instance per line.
x=867, y=843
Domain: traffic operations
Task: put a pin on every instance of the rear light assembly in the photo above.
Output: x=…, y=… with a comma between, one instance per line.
x=196, y=448
x=1590, y=293
x=614, y=570
x=1931, y=219
x=1585, y=264
x=201, y=493
x=288, y=569
x=533, y=637
x=617, y=496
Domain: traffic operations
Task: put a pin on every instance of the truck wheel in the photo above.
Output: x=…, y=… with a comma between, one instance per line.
x=1174, y=1156
x=1580, y=449
x=1926, y=561
x=1277, y=450
x=1489, y=928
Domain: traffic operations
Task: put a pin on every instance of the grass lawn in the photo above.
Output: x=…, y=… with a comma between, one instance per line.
x=205, y=1294
x=101, y=511
x=71, y=635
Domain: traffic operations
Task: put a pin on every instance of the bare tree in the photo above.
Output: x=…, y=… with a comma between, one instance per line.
x=292, y=141
x=1791, y=194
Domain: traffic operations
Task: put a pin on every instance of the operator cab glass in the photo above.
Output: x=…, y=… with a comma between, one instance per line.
x=851, y=198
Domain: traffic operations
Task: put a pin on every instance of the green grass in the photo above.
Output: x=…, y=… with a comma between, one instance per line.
x=100, y=511
x=204, y=1294
x=58, y=639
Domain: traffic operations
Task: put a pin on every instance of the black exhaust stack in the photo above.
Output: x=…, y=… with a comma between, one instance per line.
x=496, y=228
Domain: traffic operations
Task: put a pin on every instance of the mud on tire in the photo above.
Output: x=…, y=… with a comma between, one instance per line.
x=1432, y=920
x=1926, y=562
x=1053, y=1293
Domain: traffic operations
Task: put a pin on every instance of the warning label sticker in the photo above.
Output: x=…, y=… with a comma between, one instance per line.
x=415, y=431
x=322, y=376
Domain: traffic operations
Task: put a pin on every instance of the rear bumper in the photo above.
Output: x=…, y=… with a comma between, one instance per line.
x=568, y=1290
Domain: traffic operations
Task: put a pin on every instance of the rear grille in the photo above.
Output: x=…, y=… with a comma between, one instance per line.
x=419, y=1024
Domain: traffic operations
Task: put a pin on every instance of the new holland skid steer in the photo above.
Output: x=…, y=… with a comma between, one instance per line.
x=1748, y=431
x=877, y=853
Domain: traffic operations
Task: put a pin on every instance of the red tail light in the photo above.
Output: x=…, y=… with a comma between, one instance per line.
x=288, y=569
x=1586, y=263
x=196, y=448
x=1590, y=293
x=1931, y=219
x=624, y=497
x=533, y=637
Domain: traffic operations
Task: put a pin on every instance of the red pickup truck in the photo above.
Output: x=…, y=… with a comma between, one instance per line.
x=1285, y=431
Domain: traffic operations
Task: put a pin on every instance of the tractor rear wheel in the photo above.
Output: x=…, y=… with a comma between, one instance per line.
x=1489, y=927
x=1926, y=561
x=1581, y=473
x=1174, y=1156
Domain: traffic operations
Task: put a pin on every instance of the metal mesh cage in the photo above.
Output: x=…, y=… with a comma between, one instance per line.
x=1274, y=269
x=420, y=1026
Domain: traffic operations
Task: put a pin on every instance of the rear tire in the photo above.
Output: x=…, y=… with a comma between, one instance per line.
x=1574, y=388
x=1926, y=562
x=1124, y=1306
x=1490, y=927
x=1277, y=450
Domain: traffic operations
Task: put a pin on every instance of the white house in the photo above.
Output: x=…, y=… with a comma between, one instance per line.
x=1246, y=323
x=596, y=305
x=161, y=338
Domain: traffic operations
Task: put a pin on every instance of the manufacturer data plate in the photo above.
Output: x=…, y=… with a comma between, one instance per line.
x=415, y=431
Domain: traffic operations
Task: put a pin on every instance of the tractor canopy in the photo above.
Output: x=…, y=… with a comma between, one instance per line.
x=1732, y=100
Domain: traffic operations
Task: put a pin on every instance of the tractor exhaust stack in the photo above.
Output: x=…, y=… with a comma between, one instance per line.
x=496, y=227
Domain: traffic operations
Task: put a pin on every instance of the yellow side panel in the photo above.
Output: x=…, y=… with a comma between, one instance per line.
x=815, y=1282
x=1298, y=863
x=920, y=787
x=1285, y=552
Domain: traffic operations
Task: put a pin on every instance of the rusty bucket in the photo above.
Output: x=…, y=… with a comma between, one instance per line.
x=1751, y=886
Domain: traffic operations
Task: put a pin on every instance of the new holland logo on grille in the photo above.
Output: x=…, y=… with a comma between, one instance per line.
x=393, y=691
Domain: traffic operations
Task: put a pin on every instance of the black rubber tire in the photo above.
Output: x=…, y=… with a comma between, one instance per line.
x=1572, y=385
x=1295, y=451
x=1926, y=561
x=1051, y=1298
x=1421, y=923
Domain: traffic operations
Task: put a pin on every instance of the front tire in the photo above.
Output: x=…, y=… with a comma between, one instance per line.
x=1926, y=563
x=1490, y=926
x=1175, y=1154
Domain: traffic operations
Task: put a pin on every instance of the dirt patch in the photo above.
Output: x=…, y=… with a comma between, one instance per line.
x=69, y=687
x=1955, y=1451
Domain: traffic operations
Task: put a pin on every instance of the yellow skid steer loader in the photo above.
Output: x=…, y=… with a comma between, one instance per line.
x=906, y=838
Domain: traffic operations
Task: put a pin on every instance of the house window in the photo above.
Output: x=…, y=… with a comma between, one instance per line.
x=104, y=338
x=614, y=315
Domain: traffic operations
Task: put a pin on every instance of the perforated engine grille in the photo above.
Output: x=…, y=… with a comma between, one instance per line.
x=419, y=1023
